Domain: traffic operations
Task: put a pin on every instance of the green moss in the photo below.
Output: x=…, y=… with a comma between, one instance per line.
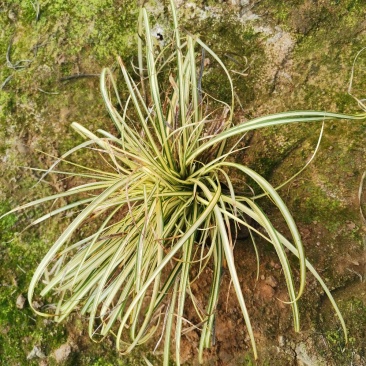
x=6, y=223
x=248, y=360
x=238, y=46
x=354, y=310
x=21, y=330
x=314, y=205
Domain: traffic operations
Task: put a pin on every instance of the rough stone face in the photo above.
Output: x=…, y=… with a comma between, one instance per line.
x=62, y=353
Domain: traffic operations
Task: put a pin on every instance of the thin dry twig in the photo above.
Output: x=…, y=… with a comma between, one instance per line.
x=18, y=65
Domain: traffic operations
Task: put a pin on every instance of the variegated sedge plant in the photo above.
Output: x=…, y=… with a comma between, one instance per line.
x=163, y=203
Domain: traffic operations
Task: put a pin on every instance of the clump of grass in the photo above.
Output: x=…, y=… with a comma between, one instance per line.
x=163, y=205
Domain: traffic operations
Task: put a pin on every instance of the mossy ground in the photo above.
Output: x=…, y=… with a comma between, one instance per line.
x=38, y=105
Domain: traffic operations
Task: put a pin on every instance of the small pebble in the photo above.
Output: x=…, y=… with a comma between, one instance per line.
x=20, y=301
x=62, y=353
x=35, y=352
